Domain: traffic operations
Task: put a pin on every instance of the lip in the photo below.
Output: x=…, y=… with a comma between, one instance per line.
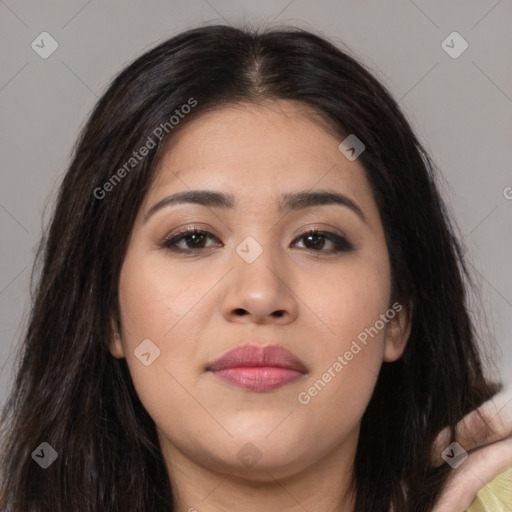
x=258, y=368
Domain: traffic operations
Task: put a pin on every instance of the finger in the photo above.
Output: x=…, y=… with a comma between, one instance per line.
x=480, y=468
x=490, y=423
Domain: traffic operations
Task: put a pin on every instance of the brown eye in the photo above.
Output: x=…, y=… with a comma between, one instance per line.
x=191, y=240
x=316, y=240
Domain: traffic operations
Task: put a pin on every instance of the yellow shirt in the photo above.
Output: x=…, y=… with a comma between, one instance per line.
x=496, y=496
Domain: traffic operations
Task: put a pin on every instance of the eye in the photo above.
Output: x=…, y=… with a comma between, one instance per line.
x=315, y=239
x=193, y=240
x=190, y=240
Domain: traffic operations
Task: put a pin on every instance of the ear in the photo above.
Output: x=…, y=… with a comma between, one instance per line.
x=115, y=345
x=397, y=332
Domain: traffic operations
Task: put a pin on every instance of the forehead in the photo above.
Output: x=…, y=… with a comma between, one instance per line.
x=258, y=152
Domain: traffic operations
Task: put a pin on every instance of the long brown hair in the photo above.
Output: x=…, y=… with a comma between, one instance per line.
x=69, y=390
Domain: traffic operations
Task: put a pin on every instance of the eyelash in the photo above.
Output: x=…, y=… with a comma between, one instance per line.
x=341, y=244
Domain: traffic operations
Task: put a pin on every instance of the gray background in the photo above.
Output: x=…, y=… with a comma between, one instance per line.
x=460, y=108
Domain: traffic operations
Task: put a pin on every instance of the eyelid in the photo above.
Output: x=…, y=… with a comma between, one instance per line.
x=321, y=227
x=187, y=228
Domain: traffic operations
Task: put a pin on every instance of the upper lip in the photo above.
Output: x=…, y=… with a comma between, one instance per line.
x=253, y=355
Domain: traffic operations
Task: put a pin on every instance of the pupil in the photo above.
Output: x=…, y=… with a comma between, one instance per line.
x=194, y=237
x=317, y=244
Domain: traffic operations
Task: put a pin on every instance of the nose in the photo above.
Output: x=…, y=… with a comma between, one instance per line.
x=260, y=292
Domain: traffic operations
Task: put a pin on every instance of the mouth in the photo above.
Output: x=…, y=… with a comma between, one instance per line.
x=257, y=368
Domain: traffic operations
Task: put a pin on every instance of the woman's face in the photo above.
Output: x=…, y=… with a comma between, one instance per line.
x=252, y=277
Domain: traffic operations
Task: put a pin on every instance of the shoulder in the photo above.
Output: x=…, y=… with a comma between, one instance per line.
x=496, y=496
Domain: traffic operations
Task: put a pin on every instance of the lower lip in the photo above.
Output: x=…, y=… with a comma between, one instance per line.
x=260, y=378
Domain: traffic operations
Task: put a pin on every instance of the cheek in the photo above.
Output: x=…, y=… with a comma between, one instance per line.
x=352, y=304
x=151, y=304
x=351, y=352
x=351, y=298
x=160, y=302
x=154, y=296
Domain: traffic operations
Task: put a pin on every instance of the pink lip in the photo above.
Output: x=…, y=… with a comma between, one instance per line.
x=258, y=368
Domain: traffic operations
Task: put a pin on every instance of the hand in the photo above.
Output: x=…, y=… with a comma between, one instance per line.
x=488, y=440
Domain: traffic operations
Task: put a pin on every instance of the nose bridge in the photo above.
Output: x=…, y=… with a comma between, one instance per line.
x=257, y=257
x=260, y=241
x=258, y=286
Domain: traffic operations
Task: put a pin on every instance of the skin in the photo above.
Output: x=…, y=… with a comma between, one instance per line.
x=486, y=434
x=188, y=304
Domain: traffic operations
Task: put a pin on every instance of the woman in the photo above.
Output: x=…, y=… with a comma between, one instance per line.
x=251, y=297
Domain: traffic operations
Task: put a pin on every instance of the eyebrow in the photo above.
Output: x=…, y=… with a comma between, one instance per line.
x=291, y=201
